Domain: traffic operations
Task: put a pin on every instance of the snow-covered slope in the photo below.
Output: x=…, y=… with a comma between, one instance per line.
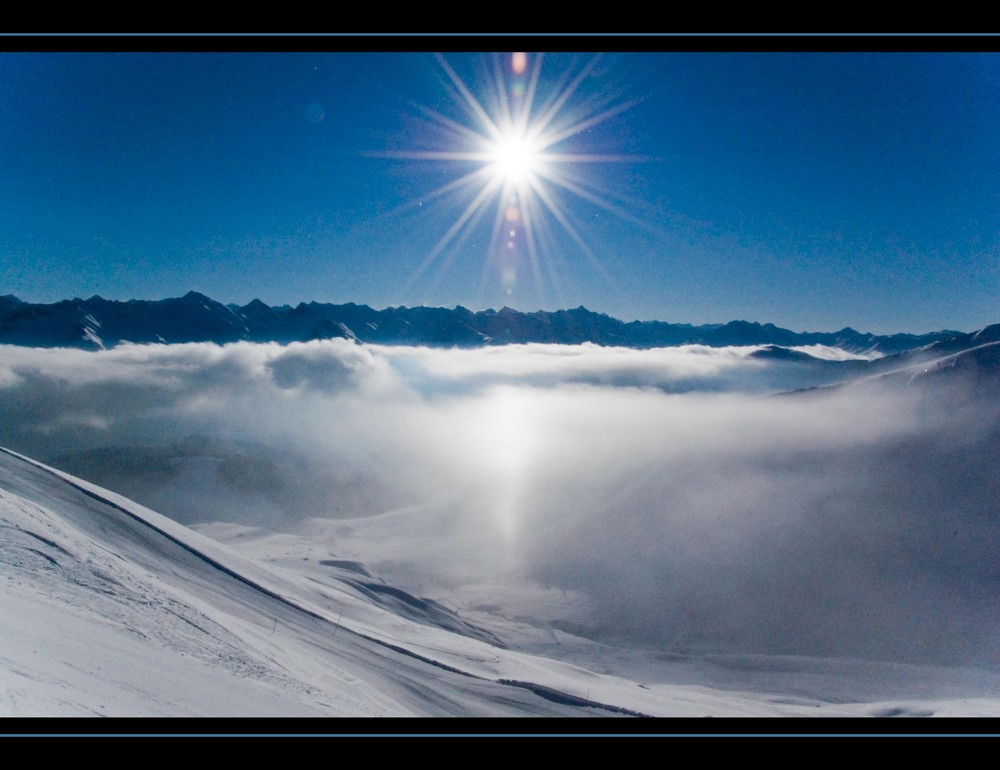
x=112, y=609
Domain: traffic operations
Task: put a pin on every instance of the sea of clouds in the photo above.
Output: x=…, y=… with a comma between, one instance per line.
x=694, y=509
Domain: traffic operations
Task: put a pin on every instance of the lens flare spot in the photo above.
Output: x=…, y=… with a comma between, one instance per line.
x=519, y=62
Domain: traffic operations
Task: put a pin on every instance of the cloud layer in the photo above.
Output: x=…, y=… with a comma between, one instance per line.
x=690, y=510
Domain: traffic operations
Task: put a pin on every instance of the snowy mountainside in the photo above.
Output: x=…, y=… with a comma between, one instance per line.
x=111, y=609
x=114, y=609
x=169, y=622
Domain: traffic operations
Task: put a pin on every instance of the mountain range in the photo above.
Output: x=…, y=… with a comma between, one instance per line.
x=96, y=323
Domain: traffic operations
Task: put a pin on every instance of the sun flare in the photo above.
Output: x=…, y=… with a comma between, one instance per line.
x=515, y=138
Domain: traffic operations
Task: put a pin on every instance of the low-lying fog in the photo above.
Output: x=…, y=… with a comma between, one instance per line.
x=681, y=503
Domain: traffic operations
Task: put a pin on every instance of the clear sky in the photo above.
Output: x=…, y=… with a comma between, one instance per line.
x=811, y=190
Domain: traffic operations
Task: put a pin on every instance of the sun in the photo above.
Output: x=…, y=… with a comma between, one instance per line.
x=514, y=158
x=514, y=136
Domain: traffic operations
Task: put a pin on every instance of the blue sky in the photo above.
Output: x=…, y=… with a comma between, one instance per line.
x=811, y=190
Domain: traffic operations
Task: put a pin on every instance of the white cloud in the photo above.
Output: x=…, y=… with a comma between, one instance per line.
x=855, y=521
x=690, y=367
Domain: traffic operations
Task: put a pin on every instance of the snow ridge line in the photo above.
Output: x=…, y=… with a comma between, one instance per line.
x=540, y=690
x=190, y=549
x=558, y=696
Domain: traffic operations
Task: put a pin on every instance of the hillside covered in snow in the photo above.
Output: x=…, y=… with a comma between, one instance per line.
x=112, y=610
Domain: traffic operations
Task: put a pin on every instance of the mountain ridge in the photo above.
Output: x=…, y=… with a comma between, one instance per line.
x=96, y=323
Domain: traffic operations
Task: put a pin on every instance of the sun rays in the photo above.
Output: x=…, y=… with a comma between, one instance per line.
x=516, y=136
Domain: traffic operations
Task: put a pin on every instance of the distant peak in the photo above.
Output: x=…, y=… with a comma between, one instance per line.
x=197, y=317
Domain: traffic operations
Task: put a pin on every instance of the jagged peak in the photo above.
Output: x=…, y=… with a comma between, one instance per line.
x=196, y=295
x=988, y=332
